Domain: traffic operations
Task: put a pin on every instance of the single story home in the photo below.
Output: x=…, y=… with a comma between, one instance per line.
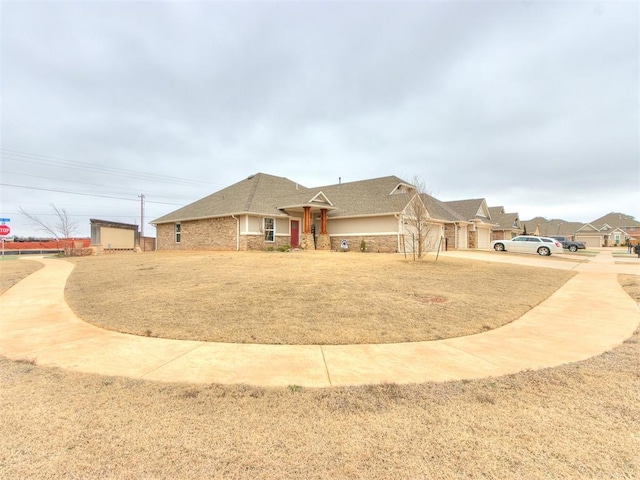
x=609, y=230
x=476, y=213
x=265, y=211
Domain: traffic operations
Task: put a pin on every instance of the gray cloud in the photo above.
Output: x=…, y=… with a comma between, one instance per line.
x=533, y=105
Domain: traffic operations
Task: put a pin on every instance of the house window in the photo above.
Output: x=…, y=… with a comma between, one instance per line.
x=177, y=232
x=269, y=229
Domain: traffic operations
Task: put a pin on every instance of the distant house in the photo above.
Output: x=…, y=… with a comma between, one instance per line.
x=265, y=211
x=507, y=224
x=546, y=228
x=110, y=235
x=610, y=230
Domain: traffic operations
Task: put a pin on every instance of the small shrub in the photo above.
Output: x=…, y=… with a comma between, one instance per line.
x=363, y=246
x=270, y=249
x=295, y=388
x=284, y=248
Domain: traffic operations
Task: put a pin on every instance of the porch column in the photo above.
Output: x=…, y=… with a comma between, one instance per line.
x=324, y=242
x=306, y=227
x=323, y=221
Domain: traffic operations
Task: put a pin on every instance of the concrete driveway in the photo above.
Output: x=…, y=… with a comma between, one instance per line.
x=589, y=315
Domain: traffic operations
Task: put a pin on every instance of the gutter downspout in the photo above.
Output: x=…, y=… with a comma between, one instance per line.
x=237, y=232
x=400, y=230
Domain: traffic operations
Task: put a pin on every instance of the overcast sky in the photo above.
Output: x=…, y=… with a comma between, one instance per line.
x=531, y=105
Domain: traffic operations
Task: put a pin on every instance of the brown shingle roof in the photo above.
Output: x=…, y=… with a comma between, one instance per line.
x=506, y=221
x=259, y=193
x=469, y=209
x=264, y=194
x=367, y=197
x=440, y=210
x=615, y=220
x=554, y=226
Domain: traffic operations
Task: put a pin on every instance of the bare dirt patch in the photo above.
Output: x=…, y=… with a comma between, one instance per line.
x=303, y=298
x=13, y=270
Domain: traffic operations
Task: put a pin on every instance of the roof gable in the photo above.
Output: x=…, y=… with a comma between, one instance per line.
x=615, y=219
x=471, y=209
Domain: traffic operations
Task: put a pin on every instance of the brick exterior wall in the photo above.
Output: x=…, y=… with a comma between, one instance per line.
x=206, y=234
x=381, y=243
x=256, y=242
x=499, y=235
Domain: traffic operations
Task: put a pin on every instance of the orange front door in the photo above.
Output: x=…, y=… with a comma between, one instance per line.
x=295, y=233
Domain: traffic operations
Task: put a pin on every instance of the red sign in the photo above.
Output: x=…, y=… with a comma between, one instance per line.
x=5, y=230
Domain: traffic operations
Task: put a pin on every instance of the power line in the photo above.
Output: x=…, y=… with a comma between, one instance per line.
x=84, y=194
x=19, y=156
x=84, y=183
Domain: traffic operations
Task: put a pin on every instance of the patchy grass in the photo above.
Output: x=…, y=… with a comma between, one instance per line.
x=12, y=271
x=631, y=285
x=571, y=422
x=303, y=298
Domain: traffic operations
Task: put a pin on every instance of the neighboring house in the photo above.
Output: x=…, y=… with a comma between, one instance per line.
x=113, y=235
x=610, y=230
x=546, y=228
x=455, y=226
x=476, y=212
x=508, y=224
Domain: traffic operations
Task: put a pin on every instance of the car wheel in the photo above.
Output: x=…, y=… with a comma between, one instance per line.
x=498, y=247
x=573, y=248
x=544, y=251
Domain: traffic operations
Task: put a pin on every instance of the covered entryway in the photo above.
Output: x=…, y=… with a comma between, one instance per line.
x=309, y=207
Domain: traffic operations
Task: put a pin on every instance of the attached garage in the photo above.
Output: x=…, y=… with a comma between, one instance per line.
x=484, y=238
x=590, y=241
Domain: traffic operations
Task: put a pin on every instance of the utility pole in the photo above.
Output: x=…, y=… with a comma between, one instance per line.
x=141, y=220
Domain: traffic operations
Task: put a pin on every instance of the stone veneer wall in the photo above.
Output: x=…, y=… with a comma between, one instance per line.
x=381, y=243
x=323, y=242
x=449, y=236
x=206, y=234
x=473, y=239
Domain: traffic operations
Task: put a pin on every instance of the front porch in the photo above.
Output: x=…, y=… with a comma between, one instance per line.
x=316, y=208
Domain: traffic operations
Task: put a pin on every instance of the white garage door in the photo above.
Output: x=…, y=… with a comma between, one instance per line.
x=590, y=241
x=484, y=238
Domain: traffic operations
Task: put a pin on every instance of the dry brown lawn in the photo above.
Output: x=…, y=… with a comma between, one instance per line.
x=303, y=298
x=13, y=270
x=578, y=421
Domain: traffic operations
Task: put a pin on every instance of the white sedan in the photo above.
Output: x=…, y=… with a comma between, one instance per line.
x=528, y=244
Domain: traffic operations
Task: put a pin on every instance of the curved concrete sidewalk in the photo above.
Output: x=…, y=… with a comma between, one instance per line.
x=589, y=315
